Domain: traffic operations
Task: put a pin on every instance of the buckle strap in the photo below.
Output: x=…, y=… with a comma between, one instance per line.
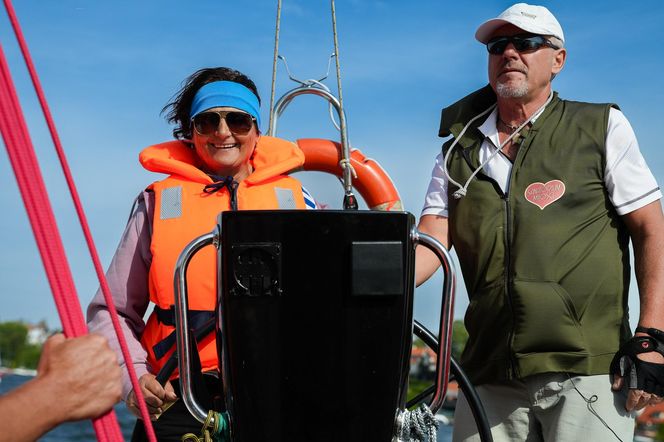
x=653, y=333
x=197, y=321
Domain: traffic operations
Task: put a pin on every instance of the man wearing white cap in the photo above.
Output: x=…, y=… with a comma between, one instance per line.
x=540, y=197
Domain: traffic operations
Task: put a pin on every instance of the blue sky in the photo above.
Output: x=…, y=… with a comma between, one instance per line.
x=109, y=67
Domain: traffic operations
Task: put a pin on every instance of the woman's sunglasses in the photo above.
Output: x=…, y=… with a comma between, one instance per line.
x=522, y=43
x=207, y=123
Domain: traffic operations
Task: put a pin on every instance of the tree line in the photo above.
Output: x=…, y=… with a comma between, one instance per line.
x=15, y=350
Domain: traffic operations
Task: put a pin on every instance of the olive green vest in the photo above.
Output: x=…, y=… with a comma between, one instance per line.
x=546, y=265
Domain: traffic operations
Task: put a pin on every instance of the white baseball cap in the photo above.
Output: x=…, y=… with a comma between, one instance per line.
x=530, y=18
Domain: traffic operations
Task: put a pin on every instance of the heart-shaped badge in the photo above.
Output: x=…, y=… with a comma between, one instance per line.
x=542, y=194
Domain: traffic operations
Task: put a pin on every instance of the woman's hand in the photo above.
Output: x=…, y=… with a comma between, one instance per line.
x=156, y=396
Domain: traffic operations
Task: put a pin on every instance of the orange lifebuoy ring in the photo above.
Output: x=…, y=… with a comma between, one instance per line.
x=372, y=182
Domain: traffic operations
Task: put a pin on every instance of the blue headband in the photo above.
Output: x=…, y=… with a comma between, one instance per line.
x=226, y=94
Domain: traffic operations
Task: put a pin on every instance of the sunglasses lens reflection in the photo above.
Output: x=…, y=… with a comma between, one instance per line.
x=497, y=47
x=239, y=122
x=207, y=123
x=527, y=44
x=522, y=44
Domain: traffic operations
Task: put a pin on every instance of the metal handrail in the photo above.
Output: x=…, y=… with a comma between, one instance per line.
x=446, y=315
x=182, y=322
x=182, y=326
x=312, y=89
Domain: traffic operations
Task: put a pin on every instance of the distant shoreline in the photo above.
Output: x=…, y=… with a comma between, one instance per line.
x=18, y=371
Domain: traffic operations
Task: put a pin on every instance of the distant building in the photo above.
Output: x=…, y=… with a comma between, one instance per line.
x=652, y=415
x=37, y=333
x=649, y=422
x=422, y=362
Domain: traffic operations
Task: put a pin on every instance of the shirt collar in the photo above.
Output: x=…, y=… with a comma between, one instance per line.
x=490, y=130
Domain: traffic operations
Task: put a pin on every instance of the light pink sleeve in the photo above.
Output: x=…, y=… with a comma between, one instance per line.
x=128, y=280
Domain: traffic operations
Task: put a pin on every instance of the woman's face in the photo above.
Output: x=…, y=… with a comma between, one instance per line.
x=224, y=152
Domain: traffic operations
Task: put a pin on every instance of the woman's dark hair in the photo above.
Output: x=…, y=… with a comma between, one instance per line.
x=177, y=111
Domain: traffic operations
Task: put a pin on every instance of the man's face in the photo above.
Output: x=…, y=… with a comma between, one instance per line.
x=523, y=75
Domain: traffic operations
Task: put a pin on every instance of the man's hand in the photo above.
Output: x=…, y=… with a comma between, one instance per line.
x=81, y=375
x=156, y=396
x=646, y=229
x=637, y=399
x=77, y=378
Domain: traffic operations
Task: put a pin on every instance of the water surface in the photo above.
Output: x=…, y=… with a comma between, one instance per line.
x=83, y=431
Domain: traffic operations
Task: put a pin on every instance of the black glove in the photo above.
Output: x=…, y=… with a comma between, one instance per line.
x=641, y=375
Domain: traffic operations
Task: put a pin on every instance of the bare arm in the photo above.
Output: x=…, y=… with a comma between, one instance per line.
x=426, y=262
x=77, y=379
x=646, y=228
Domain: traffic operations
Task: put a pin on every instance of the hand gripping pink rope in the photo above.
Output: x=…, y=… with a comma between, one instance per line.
x=33, y=190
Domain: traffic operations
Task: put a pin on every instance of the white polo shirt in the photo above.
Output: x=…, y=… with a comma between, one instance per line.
x=628, y=180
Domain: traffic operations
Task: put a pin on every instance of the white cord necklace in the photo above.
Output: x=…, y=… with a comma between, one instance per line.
x=464, y=189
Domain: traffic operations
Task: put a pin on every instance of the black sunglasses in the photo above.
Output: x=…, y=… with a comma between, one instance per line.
x=207, y=123
x=522, y=43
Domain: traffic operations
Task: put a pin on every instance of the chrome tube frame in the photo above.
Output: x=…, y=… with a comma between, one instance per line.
x=446, y=316
x=182, y=326
x=286, y=99
x=182, y=322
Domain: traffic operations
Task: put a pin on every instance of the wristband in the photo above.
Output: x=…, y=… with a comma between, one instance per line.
x=652, y=332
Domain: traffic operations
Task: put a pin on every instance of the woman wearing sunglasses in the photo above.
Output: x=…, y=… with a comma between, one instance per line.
x=218, y=162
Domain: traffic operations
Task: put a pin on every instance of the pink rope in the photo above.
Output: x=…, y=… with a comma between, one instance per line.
x=31, y=184
x=68, y=305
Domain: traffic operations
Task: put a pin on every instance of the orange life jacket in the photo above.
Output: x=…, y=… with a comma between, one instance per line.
x=183, y=211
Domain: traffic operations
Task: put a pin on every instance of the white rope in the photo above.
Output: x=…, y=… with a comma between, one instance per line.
x=274, y=61
x=461, y=192
x=462, y=188
x=419, y=425
x=337, y=60
x=345, y=163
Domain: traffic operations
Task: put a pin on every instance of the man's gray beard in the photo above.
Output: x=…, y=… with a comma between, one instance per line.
x=518, y=91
